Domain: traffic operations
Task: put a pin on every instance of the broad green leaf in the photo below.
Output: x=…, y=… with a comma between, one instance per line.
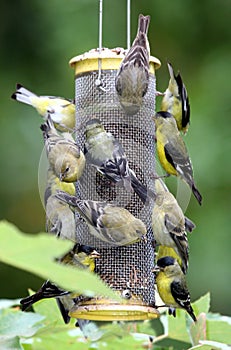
x=219, y=331
x=202, y=304
x=17, y=323
x=198, y=330
x=211, y=345
x=13, y=343
x=36, y=253
x=177, y=326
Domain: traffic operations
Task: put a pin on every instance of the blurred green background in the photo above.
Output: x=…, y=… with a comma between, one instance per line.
x=38, y=38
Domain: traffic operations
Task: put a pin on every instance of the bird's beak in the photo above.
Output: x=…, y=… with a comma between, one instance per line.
x=95, y=254
x=156, y=269
x=61, y=176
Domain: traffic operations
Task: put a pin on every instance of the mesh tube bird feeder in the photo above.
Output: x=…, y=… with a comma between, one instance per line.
x=126, y=269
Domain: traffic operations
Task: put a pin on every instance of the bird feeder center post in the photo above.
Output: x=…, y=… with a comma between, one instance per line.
x=126, y=269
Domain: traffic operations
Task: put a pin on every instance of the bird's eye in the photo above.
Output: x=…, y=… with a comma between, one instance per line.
x=67, y=169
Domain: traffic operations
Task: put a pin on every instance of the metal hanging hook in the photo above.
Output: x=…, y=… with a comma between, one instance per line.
x=98, y=81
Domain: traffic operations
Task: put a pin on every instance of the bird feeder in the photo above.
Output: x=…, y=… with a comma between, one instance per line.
x=126, y=269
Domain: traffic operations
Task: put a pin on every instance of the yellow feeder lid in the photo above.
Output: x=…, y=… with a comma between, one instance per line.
x=110, y=59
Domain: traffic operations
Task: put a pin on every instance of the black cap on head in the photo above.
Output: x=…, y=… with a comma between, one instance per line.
x=165, y=261
x=163, y=115
x=81, y=248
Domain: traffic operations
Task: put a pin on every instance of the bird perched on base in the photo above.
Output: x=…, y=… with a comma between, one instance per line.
x=171, y=285
x=65, y=156
x=168, y=224
x=172, y=152
x=133, y=75
x=176, y=102
x=107, y=222
x=103, y=151
x=81, y=256
x=61, y=110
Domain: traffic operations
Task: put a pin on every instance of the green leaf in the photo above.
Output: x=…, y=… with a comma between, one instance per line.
x=177, y=326
x=202, y=304
x=17, y=323
x=36, y=253
x=10, y=343
x=210, y=345
x=219, y=331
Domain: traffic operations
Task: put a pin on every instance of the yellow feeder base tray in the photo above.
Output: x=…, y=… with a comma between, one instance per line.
x=108, y=310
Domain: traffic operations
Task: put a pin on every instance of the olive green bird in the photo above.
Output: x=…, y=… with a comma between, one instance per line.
x=172, y=152
x=61, y=110
x=168, y=225
x=172, y=286
x=65, y=156
x=60, y=219
x=104, y=152
x=109, y=223
x=176, y=101
x=132, y=79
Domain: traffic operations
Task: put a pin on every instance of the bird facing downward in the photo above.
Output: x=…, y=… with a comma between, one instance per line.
x=176, y=102
x=172, y=152
x=171, y=285
x=65, y=156
x=133, y=75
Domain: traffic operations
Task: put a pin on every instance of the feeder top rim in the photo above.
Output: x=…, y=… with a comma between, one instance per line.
x=106, y=53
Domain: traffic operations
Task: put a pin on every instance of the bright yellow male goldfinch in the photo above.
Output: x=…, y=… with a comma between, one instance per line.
x=172, y=152
x=176, y=101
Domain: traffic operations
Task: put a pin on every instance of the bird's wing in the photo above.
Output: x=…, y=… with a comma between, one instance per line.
x=177, y=155
x=180, y=293
x=185, y=101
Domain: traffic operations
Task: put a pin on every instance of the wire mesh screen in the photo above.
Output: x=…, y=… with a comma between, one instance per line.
x=128, y=267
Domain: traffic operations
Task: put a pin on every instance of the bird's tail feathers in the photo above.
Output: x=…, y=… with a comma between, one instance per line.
x=197, y=194
x=189, y=225
x=141, y=190
x=143, y=24
x=22, y=94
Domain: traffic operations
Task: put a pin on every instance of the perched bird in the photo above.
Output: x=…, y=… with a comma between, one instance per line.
x=80, y=256
x=60, y=218
x=65, y=156
x=107, y=222
x=103, y=151
x=160, y=187
x=172, y=151
x=171, y=285
x=176, y=102
x=61, y=110
x=133, y=75
x=168, y=225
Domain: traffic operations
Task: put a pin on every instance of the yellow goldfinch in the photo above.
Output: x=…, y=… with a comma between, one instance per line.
x=61, y=110
x=107, y=222
x=172, y=152
x=133, y=75
x=163, y=251
x=106, y=154
x=176, y=102
x=171, y=285
x=168, y=225
x=80, y=256
x=65, y=157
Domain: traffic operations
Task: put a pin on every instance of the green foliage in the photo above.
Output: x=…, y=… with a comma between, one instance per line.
x=44, y=329
x=34, y=254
